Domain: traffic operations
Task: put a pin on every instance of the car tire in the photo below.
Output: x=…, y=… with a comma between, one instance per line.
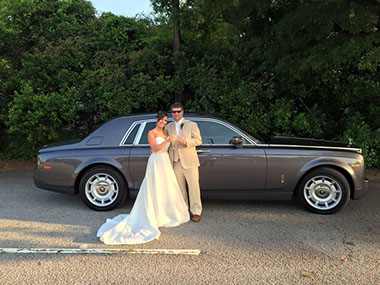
x=324, y=191
x=102, y=188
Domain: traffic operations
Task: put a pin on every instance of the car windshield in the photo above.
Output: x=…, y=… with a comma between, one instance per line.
x=255, y=138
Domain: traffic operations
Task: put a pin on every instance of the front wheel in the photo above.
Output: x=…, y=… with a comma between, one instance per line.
x=102, y=188
x=324, y=191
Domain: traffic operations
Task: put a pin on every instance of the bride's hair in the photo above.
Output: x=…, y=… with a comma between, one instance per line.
x=160, y=115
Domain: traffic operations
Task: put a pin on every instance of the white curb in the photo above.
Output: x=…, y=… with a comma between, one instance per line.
x=100, y=251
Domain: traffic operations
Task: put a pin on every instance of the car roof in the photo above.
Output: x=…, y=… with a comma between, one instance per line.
x=149, y=116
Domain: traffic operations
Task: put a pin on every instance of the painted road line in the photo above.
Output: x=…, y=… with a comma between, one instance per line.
x=100, y=251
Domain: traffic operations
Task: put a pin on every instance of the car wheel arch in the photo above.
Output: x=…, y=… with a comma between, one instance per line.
x=90, y=166
x=340, y=169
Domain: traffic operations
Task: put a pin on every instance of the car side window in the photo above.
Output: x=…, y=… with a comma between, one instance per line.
x=217, y=134
x=144, y=137
x=132, y=135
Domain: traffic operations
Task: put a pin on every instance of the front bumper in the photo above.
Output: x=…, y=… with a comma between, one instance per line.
x=360, y=192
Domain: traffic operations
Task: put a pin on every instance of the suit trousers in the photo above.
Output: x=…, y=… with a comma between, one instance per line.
x=191, y=176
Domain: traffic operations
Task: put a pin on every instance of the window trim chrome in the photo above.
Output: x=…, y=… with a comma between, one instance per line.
x=128, y=132
x=141, y=130
x=144, y=122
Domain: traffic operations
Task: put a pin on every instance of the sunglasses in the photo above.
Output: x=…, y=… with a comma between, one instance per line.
x=177, y=111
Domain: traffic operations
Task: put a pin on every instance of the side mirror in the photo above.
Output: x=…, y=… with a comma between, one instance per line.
x=237, y=142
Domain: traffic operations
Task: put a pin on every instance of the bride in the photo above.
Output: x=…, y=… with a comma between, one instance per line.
x=159, y=202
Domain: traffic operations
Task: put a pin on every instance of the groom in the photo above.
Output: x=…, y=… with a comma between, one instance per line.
x=185, y=159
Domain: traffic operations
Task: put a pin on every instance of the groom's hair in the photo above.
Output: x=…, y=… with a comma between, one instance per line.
x=176, y=105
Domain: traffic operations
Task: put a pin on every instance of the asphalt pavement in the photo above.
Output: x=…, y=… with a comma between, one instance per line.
x=239, y=242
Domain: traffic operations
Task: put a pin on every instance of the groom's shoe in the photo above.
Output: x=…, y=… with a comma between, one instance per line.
x=196, y=218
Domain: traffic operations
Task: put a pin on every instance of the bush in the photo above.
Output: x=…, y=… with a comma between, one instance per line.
x=36, y=119
x=361, y=135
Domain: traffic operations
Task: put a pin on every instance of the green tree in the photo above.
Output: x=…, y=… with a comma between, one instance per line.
x=299, y=68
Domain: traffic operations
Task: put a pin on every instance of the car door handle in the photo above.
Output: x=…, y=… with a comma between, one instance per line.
x=203, y=151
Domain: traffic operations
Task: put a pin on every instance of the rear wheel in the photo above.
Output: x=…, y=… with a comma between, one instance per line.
x=324, y=191
x=102, y=188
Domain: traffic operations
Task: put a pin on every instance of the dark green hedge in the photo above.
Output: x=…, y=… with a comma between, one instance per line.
x=297, y=68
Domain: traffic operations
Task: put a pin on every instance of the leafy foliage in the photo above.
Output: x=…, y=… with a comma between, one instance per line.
x=299, y=68
x=38, y=118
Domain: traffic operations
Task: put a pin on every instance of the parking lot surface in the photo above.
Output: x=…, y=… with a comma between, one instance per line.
x=239, y=242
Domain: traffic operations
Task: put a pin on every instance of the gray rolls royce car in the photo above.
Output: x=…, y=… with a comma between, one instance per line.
x=109, y=165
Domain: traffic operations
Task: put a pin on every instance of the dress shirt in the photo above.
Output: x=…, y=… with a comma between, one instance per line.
x=178, y=126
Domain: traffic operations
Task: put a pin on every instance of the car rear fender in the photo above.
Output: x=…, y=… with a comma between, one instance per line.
x=85, y=166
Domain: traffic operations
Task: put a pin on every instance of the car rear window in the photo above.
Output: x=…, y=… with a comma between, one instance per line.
x=144, y=137
x=132, y=135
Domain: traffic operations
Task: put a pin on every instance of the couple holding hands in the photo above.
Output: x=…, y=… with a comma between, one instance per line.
x=163, y=199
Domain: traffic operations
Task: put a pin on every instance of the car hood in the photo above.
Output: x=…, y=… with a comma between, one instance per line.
x=309, y=142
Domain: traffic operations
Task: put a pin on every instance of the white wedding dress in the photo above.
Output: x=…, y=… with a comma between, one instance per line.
x=159, y=203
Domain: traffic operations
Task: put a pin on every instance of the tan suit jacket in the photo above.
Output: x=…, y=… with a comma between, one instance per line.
x=187, y=153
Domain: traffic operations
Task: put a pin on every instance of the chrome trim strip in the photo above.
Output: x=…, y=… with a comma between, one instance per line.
x=139, y=133
x=311, y=146
x=127, y=133
x=206, y=145
x=141, y=130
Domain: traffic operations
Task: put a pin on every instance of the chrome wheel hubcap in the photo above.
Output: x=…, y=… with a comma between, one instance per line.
x=322, y=192
x=101, y=189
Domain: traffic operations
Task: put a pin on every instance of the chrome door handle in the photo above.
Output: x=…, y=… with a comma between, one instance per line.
x=203, y=151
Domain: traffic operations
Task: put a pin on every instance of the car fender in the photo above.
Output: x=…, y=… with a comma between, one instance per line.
x=328, y=162
x=102, y=161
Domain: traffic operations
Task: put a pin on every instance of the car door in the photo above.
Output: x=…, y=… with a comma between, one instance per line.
x=126, y=147
x=225, y=167
x=140, y=153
